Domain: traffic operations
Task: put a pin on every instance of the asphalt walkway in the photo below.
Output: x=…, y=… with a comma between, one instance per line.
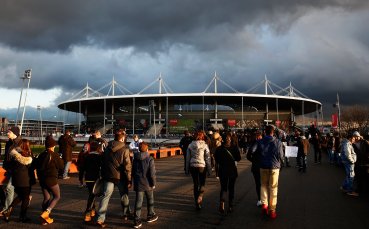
x=310, y=200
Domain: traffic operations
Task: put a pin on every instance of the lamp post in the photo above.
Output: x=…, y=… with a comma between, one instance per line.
x=20, y=99
x=42, y=139
x=153, y=108
x=27, y=75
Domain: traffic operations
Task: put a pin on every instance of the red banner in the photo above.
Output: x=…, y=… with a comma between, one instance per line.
x=231, y=122
x=173, y=122
x=334, y=120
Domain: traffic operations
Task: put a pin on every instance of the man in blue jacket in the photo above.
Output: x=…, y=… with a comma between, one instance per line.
x=271, y=159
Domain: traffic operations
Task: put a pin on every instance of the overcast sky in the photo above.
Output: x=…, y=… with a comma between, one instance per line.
x=321, y=47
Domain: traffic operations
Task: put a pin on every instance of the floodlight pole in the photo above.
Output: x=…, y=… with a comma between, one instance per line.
x=27, y=75
x=20, y=100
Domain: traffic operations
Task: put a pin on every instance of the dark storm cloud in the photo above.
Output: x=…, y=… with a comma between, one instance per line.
x=146, y=25
x=71, y=43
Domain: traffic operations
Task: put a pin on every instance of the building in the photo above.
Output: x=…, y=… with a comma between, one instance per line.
x=169, y=113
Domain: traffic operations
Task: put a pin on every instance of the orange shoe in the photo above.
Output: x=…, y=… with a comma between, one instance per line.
x=93, y=213
x=45, y=216
x=88, y=217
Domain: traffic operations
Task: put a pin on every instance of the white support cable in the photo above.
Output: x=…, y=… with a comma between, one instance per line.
x=234, y=90
x=148, y=86
x=120, y=86
x=212, y=80
x=255, y=87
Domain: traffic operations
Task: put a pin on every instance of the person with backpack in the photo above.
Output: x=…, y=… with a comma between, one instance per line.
x=226, y=157
x=271, y=154
x=199, y=165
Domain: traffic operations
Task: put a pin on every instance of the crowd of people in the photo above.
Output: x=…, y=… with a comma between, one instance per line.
x=105, y=165
x=102, y=167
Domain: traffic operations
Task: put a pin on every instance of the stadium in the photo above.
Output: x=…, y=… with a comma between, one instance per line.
x=165, y=112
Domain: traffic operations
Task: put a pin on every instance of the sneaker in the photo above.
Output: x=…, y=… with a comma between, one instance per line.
x=81, y=185
x=66, y=178
x=88, y=217
x=101, y=224
x=344, y=190
x=258, y=204
x=47, y=221
x=137, y=224
x=272, y=215
x=45, y=215
x=93, y=213
x=152, y=218
x=352, y=193
x=264, y=209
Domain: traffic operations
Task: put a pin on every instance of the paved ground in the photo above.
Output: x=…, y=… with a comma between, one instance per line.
x=310, y=200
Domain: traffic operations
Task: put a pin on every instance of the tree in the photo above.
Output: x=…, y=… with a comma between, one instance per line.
x=355, y=117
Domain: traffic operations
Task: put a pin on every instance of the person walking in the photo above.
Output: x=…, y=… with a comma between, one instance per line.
x=19, y=164
x=183, y=144
x=361, y=148
x=215, y=143
x=66, y=144
x=47, y=167
x=349, y=157
x=115, y=170
x=81, y=161
x=14, y=140
x=144, y=181
x=255, y=160
x=226, y=157
x=316, y=141
x=199, y=165
x=133, y=146
x=303, y=145
x=92, y=171
x=270, y=150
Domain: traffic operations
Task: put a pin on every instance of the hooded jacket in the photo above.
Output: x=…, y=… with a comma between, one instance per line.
x=116, y=163
x=271, y=153
x=198, y=155
x=19, y=165
x=143, y=172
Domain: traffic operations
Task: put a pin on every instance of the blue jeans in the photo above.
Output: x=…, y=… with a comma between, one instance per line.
x=103, y=207
x=9, y=193
x=349, y=178
x=66, y=168
x=149, y=200
x=124, y=199
x=331, y=156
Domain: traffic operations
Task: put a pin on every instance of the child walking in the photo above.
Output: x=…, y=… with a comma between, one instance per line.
x=144, y=180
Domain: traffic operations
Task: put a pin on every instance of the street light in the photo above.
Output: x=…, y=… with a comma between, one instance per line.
x=27, y=75
x=42, y=139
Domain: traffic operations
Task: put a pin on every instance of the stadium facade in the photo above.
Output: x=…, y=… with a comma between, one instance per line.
x=166, y=112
